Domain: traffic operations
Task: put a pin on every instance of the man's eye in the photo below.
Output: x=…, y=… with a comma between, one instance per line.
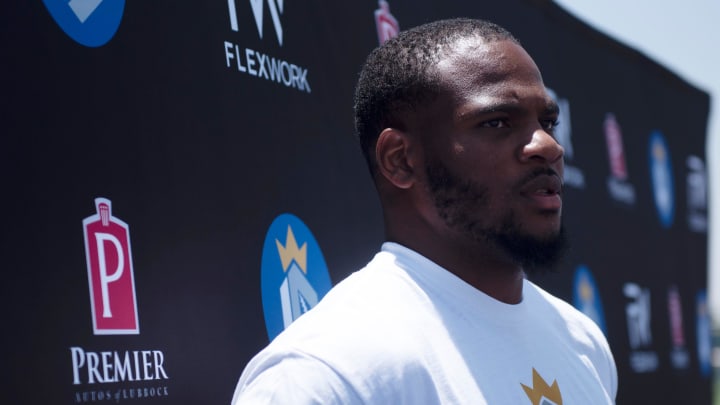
x=499, y=123
x=550, y=125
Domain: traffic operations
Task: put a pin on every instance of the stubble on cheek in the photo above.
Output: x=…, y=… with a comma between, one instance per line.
x=466, y=208
x=458, y=202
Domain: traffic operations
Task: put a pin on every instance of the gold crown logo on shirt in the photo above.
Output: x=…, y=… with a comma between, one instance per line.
x=541, y=393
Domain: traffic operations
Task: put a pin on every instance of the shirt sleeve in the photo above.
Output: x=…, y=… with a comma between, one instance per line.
x=292, y=378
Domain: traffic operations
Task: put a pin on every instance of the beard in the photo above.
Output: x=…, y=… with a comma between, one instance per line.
x=461, y=204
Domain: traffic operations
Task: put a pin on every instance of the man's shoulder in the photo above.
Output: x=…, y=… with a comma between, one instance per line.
x=365, y=339
x=567, y=313
x=373, y=311
x=341, y=353
x=581, y=333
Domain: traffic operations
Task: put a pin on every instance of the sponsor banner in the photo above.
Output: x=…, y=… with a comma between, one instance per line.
x=137, y=102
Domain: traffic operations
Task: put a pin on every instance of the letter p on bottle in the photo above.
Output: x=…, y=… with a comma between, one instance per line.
x=106, y=278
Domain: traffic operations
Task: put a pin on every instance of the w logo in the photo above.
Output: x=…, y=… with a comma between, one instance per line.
x=276, y=7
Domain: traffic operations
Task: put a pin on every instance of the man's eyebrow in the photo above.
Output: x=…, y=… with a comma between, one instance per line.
x=489, y=108
x=551, y=108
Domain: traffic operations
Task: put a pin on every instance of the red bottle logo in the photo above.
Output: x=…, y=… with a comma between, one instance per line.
x=110, y=273
x=616, y=153
x=387, y=25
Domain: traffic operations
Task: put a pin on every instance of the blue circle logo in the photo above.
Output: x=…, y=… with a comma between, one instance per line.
x=703, y=332
x=662, y=178
x=89, y=22
x=586, y=297
x=294, y=276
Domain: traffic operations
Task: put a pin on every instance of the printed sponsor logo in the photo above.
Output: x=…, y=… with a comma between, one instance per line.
x=697, y=191
x=542, y=393
x=89, y=22
x=573, y=177
x=679, y=356
x=114, y=312
x=637, y=311
x=117, y=366
x=387, y=26
x=294, y=274
x=586, y=297
x=662, y=179
x=110, y=272
x=257, y=9
x=618, y=186
x=257, y=63
x=704, y=335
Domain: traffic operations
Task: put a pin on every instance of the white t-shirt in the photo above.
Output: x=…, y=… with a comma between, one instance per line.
x=403, y=330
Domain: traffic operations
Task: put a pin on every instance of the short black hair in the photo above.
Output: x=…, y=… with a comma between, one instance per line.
x=398, y=77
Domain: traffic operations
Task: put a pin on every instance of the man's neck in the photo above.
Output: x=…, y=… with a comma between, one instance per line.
x=484, y=267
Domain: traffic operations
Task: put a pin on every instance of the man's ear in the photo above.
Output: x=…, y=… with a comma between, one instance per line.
x=394, y=152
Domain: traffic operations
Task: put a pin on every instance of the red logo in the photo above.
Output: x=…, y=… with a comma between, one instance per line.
x=676, y=321
x=110, y=273
x=387, y=25
x=613, y=137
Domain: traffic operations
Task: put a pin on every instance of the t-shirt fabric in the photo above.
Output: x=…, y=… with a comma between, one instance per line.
x=403, y=330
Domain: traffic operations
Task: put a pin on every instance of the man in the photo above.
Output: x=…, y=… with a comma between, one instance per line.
x=457, y=128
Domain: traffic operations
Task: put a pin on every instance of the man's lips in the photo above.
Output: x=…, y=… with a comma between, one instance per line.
x=544, y=189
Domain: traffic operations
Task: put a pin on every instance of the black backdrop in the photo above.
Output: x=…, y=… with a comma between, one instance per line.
x=199, y=156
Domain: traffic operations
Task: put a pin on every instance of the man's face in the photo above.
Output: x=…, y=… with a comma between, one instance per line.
x=493, y=170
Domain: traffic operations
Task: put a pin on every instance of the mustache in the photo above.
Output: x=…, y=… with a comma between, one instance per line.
x=539, y=172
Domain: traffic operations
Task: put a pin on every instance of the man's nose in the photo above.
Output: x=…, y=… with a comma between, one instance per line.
x=542, y=146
